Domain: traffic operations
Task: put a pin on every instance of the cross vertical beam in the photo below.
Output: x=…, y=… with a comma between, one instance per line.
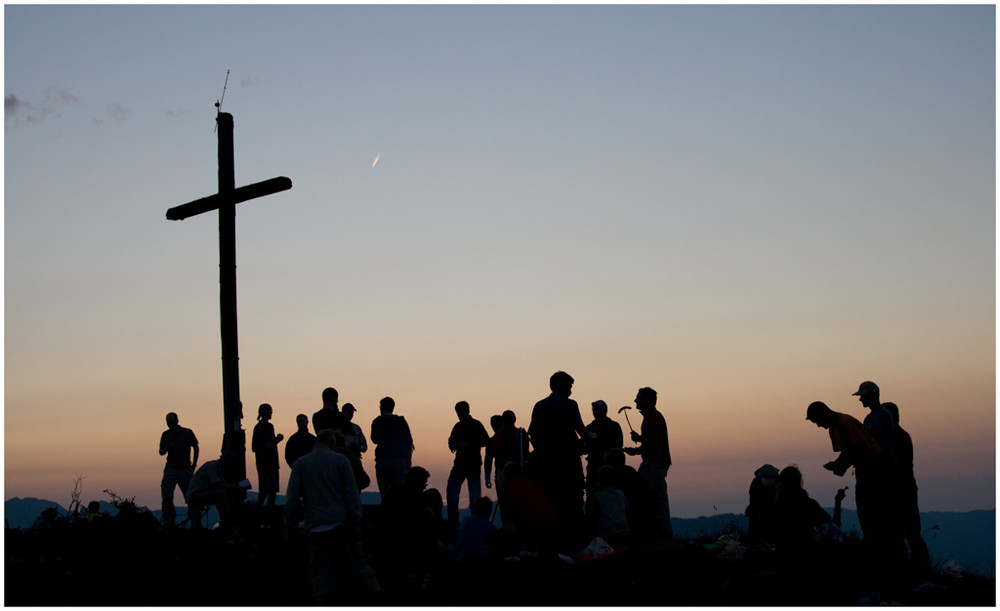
x=234, y=437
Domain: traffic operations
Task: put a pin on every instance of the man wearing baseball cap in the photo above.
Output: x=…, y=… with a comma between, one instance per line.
x=874, y=492
x=879, y=421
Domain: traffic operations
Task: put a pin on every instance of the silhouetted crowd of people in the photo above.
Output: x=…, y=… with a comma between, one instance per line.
x=548, y=503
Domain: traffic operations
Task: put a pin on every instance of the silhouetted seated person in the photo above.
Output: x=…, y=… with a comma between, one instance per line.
x=434, y=502
x=797, y=516
x=48, y=518
x=641, y=511
x=407, y=547
x=806, y=567
x=760, y=511
x=607, y=509
x=476, y=534
x=217, y=483
x=528, y=515
x=93, y=514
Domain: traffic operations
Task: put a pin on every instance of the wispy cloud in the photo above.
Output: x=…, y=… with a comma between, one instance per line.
x=118, y=113
x=58, y=97
x=114, y=112
x=54, y=99
x=13, y=106
x=175, y=114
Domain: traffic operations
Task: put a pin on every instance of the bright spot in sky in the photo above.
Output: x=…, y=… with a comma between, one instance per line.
x=376, y=159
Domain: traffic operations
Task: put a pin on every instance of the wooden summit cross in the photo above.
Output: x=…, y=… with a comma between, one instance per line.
x=234, y=437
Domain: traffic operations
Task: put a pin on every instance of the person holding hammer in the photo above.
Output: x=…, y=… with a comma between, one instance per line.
x=654, y=449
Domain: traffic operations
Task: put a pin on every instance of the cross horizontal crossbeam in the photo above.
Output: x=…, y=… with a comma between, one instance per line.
x=236, y=196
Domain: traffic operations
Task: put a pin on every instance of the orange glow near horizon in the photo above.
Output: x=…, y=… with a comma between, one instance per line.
x=714, y=448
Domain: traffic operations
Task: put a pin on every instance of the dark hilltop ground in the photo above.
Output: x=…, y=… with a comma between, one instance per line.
x=128, y=560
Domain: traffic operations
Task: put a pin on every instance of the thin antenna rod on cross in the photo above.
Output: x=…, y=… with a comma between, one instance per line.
x=218, y=103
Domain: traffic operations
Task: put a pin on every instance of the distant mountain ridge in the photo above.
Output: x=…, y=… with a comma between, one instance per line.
x=966, y=540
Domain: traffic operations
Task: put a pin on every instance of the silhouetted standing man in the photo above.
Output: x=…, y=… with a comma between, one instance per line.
x=655, y=453
x=887, y=533
x=467, y=438
x=605, y=434
x=907, y=508
x=556, y=430
x=265, y=449
x=176, y=443
x=393, y=446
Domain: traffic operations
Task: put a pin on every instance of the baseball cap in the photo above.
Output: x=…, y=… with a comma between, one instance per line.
x=866, y=387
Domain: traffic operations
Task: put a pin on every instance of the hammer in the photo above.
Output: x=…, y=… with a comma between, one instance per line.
x=626, y=416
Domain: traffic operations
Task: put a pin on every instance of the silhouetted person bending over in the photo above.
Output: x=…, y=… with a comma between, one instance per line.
x=176, y=443
x=655, y=452
x=217, y=483
x=467, y=438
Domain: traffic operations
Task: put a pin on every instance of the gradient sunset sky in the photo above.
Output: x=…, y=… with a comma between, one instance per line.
x=746, y=208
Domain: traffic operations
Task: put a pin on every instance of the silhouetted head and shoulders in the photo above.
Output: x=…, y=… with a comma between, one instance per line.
x=329, y=416
x=390, y=432
x=653, y=436
x=555, y=420
x=301, y=442
x=177, y=443
x=879, y=421
x=604, y=432
x=468, y=434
